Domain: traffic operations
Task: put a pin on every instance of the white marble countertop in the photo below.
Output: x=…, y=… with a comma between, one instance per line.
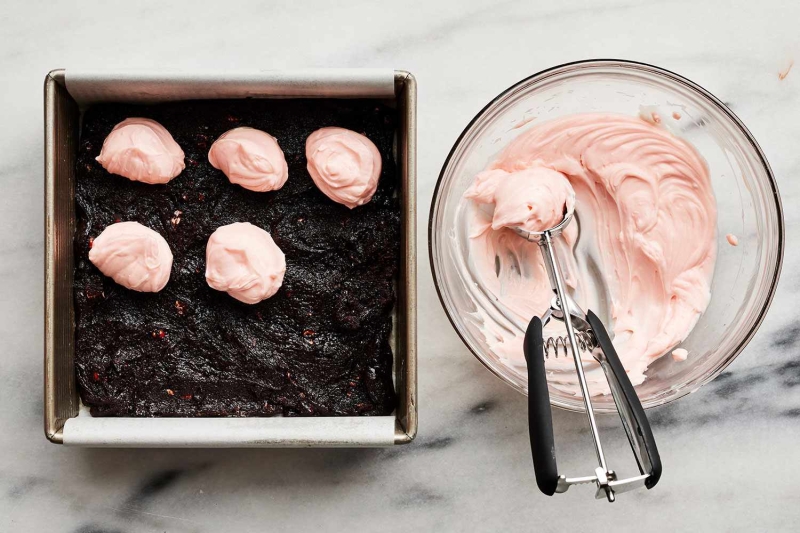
x=730, y=451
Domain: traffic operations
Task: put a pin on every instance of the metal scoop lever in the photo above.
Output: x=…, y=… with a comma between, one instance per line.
x=540, y=419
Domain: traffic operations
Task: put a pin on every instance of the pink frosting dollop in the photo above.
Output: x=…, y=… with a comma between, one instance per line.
x=141, y=149
x=534, y=199
x=244, y=261
x=250, y=158
x=345, y=165
x=133, y=255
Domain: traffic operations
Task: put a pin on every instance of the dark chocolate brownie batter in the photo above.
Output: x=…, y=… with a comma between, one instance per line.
x=320, y=346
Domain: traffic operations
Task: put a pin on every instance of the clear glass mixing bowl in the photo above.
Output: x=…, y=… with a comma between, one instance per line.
x=745, y=276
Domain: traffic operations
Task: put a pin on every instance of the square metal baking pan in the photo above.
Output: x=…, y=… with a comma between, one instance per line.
x=66, y=94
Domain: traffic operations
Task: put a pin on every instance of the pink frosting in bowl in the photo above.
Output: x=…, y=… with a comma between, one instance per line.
x=133, y=255
x=244, y=261
x=141, y=149
x=250, y=158
x=345, y=165
x=645, y=218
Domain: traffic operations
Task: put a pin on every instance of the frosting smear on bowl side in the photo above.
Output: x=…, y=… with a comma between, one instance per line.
x=640, y=253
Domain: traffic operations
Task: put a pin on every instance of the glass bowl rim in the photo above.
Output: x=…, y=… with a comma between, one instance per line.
x=670, y=76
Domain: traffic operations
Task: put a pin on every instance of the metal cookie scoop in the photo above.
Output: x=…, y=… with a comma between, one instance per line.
x=584, y=331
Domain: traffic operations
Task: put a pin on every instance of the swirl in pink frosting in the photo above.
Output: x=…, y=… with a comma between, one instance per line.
x=244, y=261
x=646, y=222
x=344, y=164
x=133, y=255
x=250, y=158
x=141, y=149
x=533, y=199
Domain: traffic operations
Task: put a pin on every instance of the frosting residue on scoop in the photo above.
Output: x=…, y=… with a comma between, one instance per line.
x=133, y=255
x=344, y=165
x=250, y=158
x=640, y=253
x=533, y=199
x=244, y=261
x=141, y=149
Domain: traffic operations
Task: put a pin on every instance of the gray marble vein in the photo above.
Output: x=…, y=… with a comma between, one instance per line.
x=730, y=450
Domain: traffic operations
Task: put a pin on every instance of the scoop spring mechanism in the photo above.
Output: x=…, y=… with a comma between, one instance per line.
x=559, y=345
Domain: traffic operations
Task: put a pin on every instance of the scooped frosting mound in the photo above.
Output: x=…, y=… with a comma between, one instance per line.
x=133, y=255
x=640, y=252
x=244, y=261
x=250, y=158
x=141, y=149
x=533, y=199
x=344, y=165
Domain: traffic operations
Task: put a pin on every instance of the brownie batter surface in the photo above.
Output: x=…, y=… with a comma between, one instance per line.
x=319, y=347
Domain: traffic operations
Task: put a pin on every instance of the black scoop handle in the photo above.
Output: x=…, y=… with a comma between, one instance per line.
x=540, y=418
x=639, y=433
